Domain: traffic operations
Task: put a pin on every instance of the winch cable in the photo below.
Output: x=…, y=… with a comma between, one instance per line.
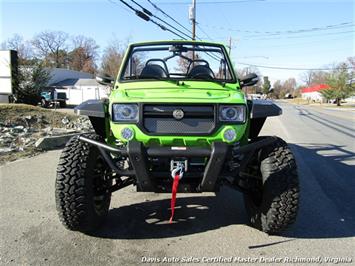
x=176, y=174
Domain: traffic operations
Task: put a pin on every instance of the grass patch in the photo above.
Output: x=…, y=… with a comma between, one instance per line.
x=15, y=114
x=299, y=101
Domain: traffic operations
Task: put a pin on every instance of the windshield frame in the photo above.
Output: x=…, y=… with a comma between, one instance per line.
x=141, y=47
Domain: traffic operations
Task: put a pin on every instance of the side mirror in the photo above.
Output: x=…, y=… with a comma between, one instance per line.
x=249, y=80
x=105, y=80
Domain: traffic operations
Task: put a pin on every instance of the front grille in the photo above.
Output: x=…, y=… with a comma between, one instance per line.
x=197, y=119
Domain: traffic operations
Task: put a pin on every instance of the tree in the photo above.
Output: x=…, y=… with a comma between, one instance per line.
x=51, y=46
x=328, y=94
x=184, y=64
x=266, y=85
x=248, y=70
x=307, y=77
x=31, y=79
x=277, y=86
x=288, y=87
x=84, y=54
x=23, y=48
x=297, y=93
x=112, y=58
x=319, y=77
x=339, y=82
x=313, y=77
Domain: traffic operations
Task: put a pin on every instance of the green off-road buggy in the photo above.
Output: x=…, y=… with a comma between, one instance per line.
x=177, y=120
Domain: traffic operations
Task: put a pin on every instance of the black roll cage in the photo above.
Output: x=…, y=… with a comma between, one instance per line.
x=133, y=49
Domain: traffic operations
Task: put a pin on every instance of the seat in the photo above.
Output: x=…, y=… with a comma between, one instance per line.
x=201, y=72
x=153, y=71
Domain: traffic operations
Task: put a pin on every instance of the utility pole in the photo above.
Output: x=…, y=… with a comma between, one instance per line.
x=230, y=45
x=192, y=16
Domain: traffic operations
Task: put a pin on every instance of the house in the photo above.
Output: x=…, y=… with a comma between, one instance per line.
x=59, y=74
x=78, y=86
x=313, y=93
x=78, y=90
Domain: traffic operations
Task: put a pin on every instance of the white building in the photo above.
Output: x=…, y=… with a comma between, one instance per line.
x=79, y=90
x=78, y=86
x=313, y=93
x=8, y=68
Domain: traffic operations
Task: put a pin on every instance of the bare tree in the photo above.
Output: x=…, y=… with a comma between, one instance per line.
x=277, y=86
x=248, y=70
x=112, y=58
x=312, y=77
x=289, y=85
x=51, y=46
x=307, y=77
x=23, y=48
x=84, y=54
x=351, y=62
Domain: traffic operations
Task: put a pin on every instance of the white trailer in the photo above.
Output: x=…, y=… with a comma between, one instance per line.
x=8, y=70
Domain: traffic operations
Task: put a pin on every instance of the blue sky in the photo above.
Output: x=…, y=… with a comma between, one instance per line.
x=103, y=21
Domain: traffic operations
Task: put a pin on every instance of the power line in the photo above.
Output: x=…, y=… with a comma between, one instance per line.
x=272, y=33
x=146, y=11
x=177, y=22
x=304, y=36
x=168, y=16
x=173, y=19
x=145, y=17
x=211, y=2
x=198, y=26
x=298, y=43
x=287, y=68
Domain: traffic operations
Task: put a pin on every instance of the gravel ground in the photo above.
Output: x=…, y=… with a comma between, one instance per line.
x=22, y=125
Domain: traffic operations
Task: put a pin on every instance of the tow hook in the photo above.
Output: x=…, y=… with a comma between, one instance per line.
x=177, y=172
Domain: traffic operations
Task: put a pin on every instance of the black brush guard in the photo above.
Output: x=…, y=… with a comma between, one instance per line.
x=138, y=156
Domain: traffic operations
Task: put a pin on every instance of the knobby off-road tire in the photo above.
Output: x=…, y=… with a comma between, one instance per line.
x=82, y=176
x=274, y=205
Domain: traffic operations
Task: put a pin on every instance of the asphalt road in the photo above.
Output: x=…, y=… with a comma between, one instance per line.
x=209, y=226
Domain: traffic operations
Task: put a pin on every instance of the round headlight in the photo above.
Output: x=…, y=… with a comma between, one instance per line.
x=229, y=135
x=127, y=133
x=125, y=112
x=234, y=113
x=230, y=113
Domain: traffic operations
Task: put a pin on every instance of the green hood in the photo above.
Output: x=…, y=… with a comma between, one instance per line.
x=167, y=91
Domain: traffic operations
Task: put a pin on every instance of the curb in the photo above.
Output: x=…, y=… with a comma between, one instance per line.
x=53, y=142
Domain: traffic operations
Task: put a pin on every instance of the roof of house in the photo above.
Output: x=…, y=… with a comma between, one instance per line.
x=77, y=82
x=315, y=88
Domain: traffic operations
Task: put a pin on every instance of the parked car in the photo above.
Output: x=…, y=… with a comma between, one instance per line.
x=51, y=98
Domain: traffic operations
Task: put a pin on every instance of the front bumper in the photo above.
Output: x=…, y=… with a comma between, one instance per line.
x=216, y=155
